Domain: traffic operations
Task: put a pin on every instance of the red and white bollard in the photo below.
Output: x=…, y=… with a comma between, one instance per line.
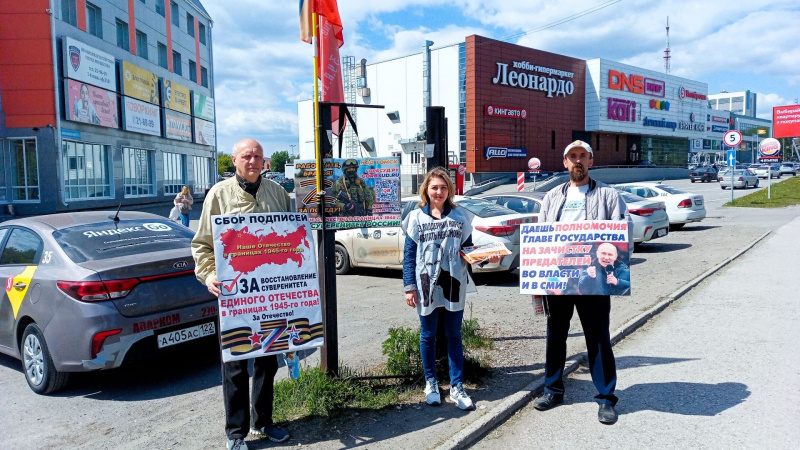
x=520, y=181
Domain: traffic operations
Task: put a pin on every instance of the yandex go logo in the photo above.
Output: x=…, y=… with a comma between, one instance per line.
x=621, y=82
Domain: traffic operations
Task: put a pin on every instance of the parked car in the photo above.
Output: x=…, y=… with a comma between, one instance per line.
x=788, y=169
x=522, y=202
x=741, y=179
x=383, y=247
x=650, y=220
x=682, y=207
x=703, y=173
x=767, y=171
x=86, y=289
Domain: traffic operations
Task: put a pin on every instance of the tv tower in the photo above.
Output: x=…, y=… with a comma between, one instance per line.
x=666, y=50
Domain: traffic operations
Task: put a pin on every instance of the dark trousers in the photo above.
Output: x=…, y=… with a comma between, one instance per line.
x=235, y=383
x=593, y=311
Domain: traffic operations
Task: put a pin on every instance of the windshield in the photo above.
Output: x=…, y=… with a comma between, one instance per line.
x=670, y=189
x=125, y=238
x=483, y=208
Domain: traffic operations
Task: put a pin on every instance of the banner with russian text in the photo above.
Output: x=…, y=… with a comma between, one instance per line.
x=270, y=300
x=575, y=258
x=359, y=193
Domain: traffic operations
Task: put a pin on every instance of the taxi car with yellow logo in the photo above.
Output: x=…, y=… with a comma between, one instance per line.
x=85, y=290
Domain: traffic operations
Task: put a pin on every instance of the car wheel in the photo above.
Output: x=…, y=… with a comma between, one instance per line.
x=692, y=180
x=342, y=260
x=756, y=185
x=40, y=372
x=723, y=187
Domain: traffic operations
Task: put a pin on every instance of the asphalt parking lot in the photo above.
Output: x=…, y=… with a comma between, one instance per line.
x=153, y=405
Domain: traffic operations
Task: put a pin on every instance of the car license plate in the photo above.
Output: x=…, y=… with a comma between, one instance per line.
x=661, y=232
x=698, y=202
x=186, y=334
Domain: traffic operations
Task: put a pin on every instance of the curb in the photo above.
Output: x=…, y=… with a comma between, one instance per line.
x=517, y=400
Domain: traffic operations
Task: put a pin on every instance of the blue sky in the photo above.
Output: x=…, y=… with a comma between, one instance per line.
x=262, y=69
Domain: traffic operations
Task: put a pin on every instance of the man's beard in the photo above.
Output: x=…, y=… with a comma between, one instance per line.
x=577, y=173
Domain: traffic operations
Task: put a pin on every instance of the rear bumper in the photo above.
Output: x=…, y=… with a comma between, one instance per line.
x=69, y=335
x=687, y=216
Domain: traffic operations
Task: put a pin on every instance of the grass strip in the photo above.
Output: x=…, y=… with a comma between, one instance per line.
x=782, y=194
x=316, y=394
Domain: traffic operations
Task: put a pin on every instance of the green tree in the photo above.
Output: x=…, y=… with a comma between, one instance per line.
x=224, y=163
x=277, y=162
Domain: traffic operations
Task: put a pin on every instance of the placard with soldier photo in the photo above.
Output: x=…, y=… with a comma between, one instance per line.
x=359, y=193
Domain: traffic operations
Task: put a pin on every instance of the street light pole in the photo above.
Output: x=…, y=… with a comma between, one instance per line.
x=291, y=153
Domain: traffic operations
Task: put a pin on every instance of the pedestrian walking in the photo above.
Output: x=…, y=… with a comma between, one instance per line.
x=184, y=202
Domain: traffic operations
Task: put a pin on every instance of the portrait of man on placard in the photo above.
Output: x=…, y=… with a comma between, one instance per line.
x=607, y=274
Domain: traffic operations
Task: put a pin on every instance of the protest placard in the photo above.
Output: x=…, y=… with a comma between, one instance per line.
x=270, y=300
x=359, y=192
x=575, y=258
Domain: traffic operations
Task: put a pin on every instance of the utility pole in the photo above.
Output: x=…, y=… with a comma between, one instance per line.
x=291, y=152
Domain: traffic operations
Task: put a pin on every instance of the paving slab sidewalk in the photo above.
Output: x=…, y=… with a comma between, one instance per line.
x=720, y=368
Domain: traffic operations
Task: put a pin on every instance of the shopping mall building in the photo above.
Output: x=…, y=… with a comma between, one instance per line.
x=104, y=102
x=507, y=103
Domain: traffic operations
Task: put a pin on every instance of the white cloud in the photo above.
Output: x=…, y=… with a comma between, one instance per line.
x=261, y=69
x=766, y=102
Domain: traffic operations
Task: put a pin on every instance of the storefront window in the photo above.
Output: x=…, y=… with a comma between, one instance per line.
x=86, y=171
x=138, y=164
x=25, y=170
x=174, y=173
x=201, y=173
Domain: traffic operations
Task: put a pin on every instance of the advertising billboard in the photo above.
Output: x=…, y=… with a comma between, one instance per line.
x=177, y=97
x=87, y=64
x=141, y=117
x=203, y=132
x=202, y=106
x=89, y=104
x=139, y=83
x=786, y=121
x=177, y=126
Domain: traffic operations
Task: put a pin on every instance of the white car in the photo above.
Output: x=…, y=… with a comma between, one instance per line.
x=767, y=171
x=383, y=247
x=650, y=220
x=682, y=207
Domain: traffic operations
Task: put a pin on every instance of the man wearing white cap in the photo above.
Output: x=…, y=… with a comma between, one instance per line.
x=582, y=198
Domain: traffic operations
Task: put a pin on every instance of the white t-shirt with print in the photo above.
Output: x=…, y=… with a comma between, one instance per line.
x=575, y=206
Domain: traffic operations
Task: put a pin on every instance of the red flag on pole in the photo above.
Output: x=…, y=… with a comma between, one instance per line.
x=331, y=39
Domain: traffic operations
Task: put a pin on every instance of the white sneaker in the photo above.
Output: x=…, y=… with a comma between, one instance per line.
x=460, y=397
x=432, y=396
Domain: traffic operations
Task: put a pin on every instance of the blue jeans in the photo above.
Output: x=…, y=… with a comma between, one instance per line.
x=185, y=219
x=427, y=343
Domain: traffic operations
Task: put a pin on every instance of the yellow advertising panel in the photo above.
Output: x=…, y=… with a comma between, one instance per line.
x=139, y=83
x=177, y=97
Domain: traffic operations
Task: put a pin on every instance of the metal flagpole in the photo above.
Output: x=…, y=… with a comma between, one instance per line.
x=314, y=42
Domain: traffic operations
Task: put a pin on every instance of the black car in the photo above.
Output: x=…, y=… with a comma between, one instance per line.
x=703, y=173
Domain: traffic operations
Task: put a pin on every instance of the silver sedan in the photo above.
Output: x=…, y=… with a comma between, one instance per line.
x=742, y=179
x=86, y=290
